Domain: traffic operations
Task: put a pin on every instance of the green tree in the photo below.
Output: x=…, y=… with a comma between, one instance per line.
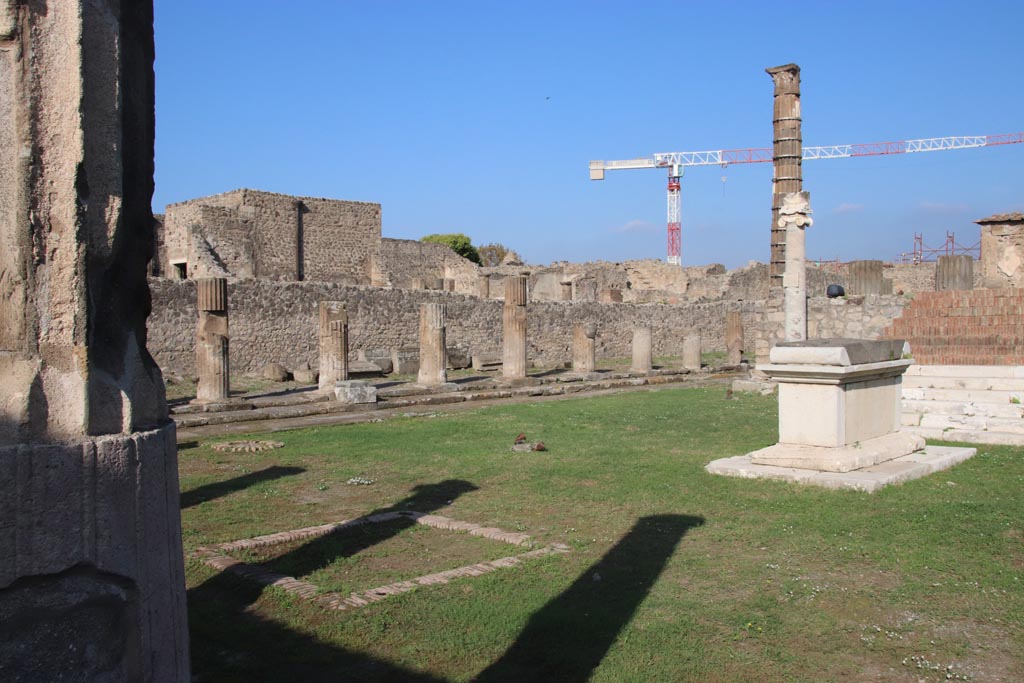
x=457, y=242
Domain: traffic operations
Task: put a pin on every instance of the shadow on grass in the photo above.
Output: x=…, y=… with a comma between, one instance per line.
x=222, y=488
x=231, y=643
x=321, y=552
x=567, y=638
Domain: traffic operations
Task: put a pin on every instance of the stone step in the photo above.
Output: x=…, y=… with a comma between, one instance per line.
x=921, y=407
x=978, y=423
x=980, y=383
x=968, y=435
x=965, y=371
x=1004, y=397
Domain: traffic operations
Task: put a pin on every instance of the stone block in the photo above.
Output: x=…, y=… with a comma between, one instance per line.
x=458, y=359
x=306, y=376
x=354, y=391
x=275, y=372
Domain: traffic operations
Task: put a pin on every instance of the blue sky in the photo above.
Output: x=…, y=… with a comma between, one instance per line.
x=481, y=117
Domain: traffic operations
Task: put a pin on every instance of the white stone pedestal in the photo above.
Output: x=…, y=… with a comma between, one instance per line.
x=839, y=413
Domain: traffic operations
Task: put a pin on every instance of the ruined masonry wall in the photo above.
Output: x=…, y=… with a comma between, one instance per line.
x=277, y=237
x=406, y=264
x=277, y=322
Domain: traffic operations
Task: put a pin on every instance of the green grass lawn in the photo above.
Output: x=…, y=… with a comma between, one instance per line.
x=675, y=575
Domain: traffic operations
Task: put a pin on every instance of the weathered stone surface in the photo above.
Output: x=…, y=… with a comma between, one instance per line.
x=692, y=351
x=794, y=218
x=584, y=341
x=870, y=479
x=212, y=336
x=91, y=571
x=837, y=351
x=513, y=357
x=642, y=357
x=332, y=334
x=787, y=156
x=275, y=322
x=275, y=372
x=865, y=277
x=306, y=376
x=253, y=234
x=354, y=391
x=733, y=338
x=1002, y=250
x=405, y=361
x=91, y=578
x=458, y=359
x=954, y=272
x=855, y=456
x=372, y=360
x=433, y=366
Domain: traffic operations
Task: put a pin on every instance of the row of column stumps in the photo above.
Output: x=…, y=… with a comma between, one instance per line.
x=212, y=357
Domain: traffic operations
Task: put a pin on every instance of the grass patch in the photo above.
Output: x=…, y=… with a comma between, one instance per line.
x=675, y=575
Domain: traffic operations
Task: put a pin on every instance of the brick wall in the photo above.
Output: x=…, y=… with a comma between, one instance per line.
x=980, y=327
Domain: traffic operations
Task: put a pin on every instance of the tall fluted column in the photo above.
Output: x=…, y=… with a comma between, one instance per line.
x=513, y=356
x=333, y=344
x=642, y=356
x=787, y=155
x=212, y=361
x=794, y=217
x=433, y=355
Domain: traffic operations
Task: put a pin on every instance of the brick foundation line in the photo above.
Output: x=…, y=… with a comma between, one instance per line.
x=216, y=557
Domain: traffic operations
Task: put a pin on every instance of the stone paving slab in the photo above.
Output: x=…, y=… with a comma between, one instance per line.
x=216, y=556
x=868, y=479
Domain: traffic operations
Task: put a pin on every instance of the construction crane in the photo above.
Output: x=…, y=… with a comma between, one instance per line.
x=676, y=162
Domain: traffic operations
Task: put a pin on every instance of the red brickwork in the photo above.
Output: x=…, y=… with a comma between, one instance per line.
x=979, y=327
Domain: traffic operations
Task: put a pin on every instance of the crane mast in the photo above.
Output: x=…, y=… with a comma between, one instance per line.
x=675, y=163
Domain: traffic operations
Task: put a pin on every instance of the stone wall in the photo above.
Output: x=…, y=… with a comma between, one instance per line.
x=276, y=322
x=1002, y=251
x=409, y=264
x=252, y=234
x=858, y=317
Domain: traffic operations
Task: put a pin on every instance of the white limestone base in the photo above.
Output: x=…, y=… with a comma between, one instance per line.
x=354, y=391
x=867, y=479
x=842, y=458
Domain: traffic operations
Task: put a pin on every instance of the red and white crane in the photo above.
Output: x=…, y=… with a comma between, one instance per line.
x=676, y=162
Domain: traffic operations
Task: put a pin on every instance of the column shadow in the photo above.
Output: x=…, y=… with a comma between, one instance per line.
x=217, y=489
x=320, y=552
x=232, y=643
x=566, y=639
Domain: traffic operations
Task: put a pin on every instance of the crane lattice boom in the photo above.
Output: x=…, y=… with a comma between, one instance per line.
x=675, y=162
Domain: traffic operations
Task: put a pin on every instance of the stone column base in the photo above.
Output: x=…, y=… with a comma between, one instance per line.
x=92, y=570
x=841, y=458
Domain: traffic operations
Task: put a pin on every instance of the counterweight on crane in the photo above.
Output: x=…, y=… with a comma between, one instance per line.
x=676, y=162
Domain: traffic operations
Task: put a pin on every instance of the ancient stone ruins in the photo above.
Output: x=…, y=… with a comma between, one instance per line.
x=257, y=283
x=91, y=567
